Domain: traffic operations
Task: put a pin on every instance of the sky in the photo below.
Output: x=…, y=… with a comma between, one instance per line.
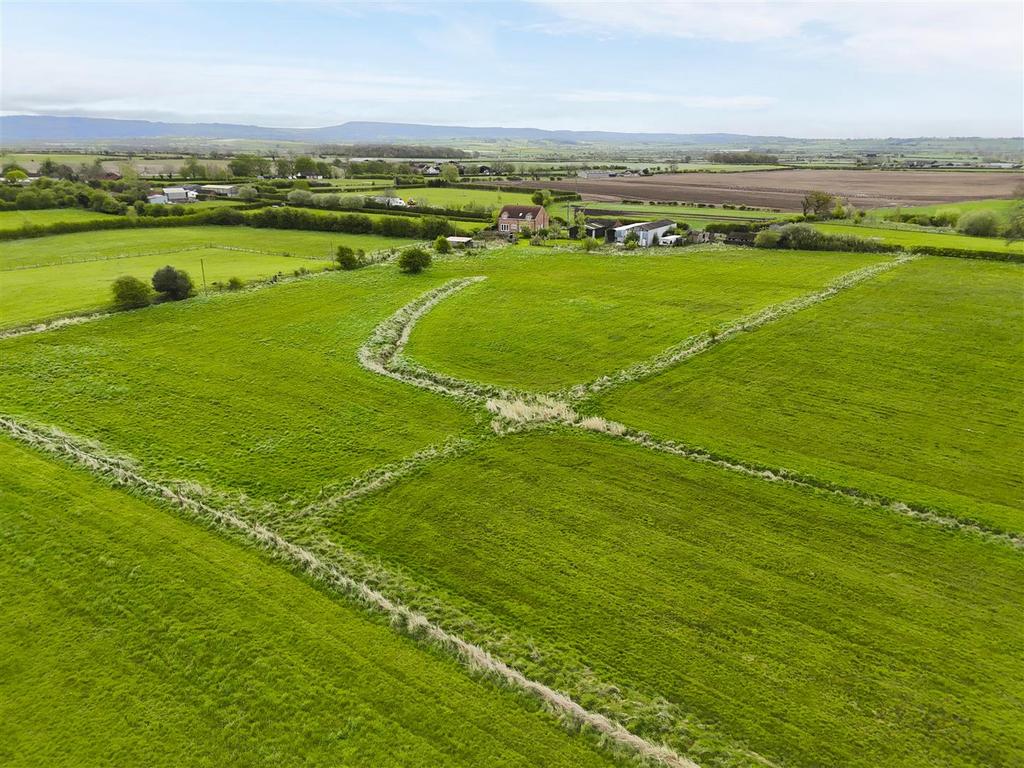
x=806, y=69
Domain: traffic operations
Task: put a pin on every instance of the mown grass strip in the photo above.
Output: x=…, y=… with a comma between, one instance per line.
x=403, y=619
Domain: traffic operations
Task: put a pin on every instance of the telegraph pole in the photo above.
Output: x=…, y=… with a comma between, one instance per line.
x=202, y=266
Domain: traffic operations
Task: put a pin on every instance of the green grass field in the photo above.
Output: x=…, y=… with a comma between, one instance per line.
x=745, y=622
x=688, y=213
x=910, y=385
x=42, y=293
x=545, y=321
x=93, y=260
x=1000, y=206
x=813, y=631
x=139, y=638
x=66, y=249
x=910, y=238
x=268, y=378
x=17, y=219
x=449, y=197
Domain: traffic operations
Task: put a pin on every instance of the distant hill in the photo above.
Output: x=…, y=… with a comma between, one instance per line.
x=16, y=129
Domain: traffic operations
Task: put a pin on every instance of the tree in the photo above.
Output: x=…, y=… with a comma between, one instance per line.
x=171, y=283
x=590, y=243
x=284, y=167
x=243, y=165
x=450, y=173
x=413, y=260
x=305, y=166
x=14, y=175
x=580, y=223
x=441, y=244
x=248, y=194
x=1015, y=229
x=193, y=170
x=541, y=197
x=130, y=292
x=818, y=203
x=978, y=224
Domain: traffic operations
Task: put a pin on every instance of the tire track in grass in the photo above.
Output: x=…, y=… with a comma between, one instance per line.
x=415, y=624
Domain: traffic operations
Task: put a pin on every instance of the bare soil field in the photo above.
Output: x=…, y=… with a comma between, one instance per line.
x=784, y=189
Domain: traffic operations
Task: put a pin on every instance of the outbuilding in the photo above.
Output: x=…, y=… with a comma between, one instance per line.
x=459, y=242
x=179, y=195
x=221, y=190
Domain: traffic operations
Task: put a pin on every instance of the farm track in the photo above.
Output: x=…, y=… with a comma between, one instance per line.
x=415, y=624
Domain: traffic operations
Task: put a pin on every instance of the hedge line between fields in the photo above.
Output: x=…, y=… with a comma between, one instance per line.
x=420, y=228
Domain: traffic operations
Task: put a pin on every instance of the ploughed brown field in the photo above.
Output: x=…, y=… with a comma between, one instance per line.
x=784, y=189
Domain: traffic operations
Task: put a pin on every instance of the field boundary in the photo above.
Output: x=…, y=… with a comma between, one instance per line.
x=415, y=624
x=168, y=252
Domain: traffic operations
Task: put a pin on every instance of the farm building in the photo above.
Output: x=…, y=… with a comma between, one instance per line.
x=647, y=232
x=390, y=202
x=699, y=236
x=599, y=228
x=459, y=242
x=179, y=195
x=156, y=198
x=670, y=240
x=223, y=190
x=432, y=170
x=522, y=218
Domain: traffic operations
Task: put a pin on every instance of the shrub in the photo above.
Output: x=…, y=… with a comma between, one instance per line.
x=978, y=224
x=300, y=197
x=130, y=292
x=590, y=243
x=413, y=260
x=348, y=258
x=171, y=283
x=235, y=283
x=441, y=244
x=248, y=194
x=768, y=238
x=946, y=218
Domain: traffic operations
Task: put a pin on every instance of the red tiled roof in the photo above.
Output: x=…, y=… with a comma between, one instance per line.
x=520, y=211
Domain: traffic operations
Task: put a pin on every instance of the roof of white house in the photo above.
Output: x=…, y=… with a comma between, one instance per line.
x=521, y=211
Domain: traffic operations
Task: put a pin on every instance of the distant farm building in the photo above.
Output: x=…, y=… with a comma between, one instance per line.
x=647, y=232
x=432, y=170
x=459, y=242
x=390, y=202
x=179, y=195
x=599, y=228
x=156, y=198
x=671, y=240
x=111, y=176
x=522, y=218
x=221, y=190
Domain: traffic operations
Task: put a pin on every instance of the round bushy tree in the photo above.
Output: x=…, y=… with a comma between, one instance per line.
x=413, y=260
x=130, y=292
x=767, y=238
x=979, y=224
x=171, y=283
x=441, y=244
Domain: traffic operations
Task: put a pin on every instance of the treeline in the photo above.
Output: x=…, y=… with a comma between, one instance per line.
x=743, y=158
x=394, y=150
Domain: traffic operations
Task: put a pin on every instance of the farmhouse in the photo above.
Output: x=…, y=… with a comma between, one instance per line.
x=223, y=190
x=522, y=218
x=179, y=195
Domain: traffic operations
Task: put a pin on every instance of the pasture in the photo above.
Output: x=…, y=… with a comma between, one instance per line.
x=910, y=386
x=458, y=198
x=18, y=219
x=543, y=322
x=909, y=238
x=739, y=619
x=140, y=638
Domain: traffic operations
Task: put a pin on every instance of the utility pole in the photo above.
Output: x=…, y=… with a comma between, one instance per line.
x=202, y=266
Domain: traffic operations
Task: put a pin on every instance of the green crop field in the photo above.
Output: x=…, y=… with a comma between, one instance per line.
x=17, y=219
x=742, y=619
x=141, y=639
x=910, y=238
x=911, y=385
x=684, y=211
x=1000, y=206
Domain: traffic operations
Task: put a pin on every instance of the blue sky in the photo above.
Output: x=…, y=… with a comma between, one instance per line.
x=798, y=69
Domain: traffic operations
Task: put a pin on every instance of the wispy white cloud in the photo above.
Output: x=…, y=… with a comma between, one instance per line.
x=977, y=35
